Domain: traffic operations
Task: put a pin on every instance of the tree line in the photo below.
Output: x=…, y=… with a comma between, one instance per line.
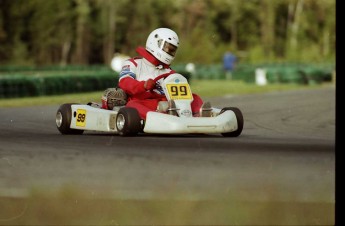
x=83, y=32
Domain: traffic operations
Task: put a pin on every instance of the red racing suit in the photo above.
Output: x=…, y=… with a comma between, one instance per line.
x=135, y=72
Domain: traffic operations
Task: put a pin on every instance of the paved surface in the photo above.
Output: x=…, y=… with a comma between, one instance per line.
x=286, y=152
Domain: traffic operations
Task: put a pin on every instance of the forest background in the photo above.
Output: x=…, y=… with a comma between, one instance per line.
x=87, y=32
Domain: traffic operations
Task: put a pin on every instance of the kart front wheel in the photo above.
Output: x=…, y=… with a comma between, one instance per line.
x=239, y=118
x=63, y=120
x=128, y=122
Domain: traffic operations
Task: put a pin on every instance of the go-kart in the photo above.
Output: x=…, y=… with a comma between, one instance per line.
x=175, y=117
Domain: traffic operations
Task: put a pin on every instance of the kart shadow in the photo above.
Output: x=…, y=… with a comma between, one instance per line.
x=196, y=135
x=191, y=135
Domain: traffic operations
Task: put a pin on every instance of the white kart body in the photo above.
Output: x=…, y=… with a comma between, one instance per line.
x=168, y=124
x=90, y=118
x=96, y=119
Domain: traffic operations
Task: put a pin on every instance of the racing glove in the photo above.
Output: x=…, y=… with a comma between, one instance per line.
x=149, y=84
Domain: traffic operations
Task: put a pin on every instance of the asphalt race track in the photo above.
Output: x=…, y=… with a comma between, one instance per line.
x=286, y=153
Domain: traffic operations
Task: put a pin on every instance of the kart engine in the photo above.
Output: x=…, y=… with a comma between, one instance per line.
x=113, y=97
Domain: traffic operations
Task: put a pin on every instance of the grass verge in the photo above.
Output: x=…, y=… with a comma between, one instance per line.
x=204, y=88
x=73, y=207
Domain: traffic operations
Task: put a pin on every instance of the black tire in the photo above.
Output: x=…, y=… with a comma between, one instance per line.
x=128, y=122
x=63, y=120
x=239, y=117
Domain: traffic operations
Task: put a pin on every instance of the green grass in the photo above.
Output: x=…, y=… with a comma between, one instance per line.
x=71, y=206
x=204, y=88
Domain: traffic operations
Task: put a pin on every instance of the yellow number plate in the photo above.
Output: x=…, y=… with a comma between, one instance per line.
x=179, y=91
x=81, y=117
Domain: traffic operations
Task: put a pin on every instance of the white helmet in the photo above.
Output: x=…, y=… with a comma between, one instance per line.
x=163, y=43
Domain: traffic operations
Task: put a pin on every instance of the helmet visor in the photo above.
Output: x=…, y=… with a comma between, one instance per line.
x=169, y=48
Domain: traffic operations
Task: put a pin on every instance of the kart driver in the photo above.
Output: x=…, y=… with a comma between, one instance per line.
x=138, y=74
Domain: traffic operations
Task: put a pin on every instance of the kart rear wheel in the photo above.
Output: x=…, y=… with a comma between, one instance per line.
x=128, y=122
x=63, y=120
x=239, y=118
